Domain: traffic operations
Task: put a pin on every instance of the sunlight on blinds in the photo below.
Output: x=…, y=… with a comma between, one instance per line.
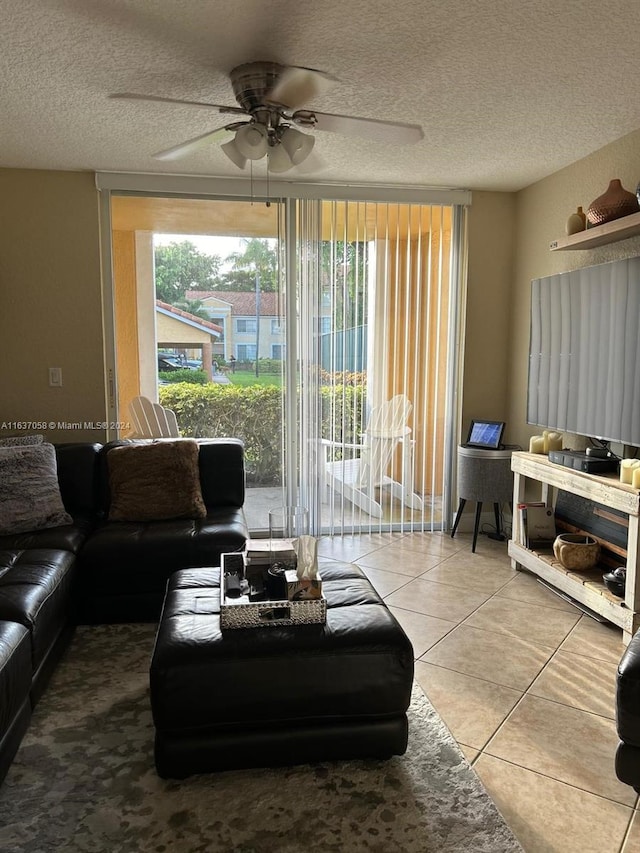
x=375, y=349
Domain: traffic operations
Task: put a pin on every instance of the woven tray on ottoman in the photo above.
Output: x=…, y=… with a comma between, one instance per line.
x=277, y=695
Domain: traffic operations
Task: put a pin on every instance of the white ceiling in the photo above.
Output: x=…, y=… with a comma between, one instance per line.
x=507, y=91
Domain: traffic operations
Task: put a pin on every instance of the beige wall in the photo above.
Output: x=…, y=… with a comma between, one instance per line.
x=51, y=311
x=50, y=302
x=542, y=210
x=491, y=232
x=172, y=331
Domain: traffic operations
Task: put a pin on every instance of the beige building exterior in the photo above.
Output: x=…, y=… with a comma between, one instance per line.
x=251, y=325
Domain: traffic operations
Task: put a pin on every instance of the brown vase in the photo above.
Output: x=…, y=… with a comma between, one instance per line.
x=612, y=204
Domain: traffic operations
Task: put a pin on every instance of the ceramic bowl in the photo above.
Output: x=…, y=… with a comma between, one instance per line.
x=578, y=552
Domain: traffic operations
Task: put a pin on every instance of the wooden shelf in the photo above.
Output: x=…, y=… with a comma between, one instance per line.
x=599, y=235
x=584, y=587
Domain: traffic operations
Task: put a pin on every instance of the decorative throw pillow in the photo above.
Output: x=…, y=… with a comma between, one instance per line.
x=29, y=492
x=21, y=440
x=153, y=482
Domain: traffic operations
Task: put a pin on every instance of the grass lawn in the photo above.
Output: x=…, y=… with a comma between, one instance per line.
x=245, y=378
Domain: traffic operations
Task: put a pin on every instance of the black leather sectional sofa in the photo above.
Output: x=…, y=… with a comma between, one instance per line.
x=96, y=570
x=628, y=715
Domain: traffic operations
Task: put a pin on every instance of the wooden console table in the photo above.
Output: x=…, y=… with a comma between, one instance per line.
x=584, y=587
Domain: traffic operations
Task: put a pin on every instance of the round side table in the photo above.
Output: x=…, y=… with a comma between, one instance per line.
x=483, y=476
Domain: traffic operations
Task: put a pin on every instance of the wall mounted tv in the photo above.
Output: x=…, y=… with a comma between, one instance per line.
x=584, y=352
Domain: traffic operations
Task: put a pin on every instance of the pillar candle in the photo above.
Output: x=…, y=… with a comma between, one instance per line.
x=554, y=441
x=627, y=467
x=636, y=477
x=536, y=444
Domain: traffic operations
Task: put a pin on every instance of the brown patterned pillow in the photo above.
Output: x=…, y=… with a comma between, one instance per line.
x=29, y=492
x=153, y=482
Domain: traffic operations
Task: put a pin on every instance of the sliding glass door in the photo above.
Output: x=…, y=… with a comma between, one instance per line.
x=377, y=347
x=328, y=338
x=199, y=326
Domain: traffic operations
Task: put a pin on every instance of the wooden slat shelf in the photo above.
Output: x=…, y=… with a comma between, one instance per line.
x=584, y=587
x=599, y=235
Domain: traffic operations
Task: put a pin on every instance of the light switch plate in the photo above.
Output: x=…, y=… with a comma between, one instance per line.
x=55, y=377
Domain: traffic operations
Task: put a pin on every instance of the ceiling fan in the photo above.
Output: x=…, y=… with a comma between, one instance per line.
x=270, y=98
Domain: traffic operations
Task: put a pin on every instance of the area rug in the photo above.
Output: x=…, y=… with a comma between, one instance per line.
x=84, y=780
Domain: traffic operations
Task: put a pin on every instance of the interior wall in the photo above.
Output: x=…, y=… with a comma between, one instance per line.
x=542, y=211
x=51, y=304
x=491, y=236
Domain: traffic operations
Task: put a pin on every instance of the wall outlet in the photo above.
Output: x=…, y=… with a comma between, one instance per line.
x=55, y=377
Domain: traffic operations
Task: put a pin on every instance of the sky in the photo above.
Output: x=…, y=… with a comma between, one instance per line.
x=221, y=246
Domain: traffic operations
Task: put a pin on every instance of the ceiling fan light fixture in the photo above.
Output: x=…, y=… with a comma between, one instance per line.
x=279, y=160
x=251, y=141
x=231, y=150
x=297, y=145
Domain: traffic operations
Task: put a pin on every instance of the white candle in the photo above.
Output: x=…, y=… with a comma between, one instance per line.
x=627, y=467
x=536, y=444
x=554, y=441
x=636, y=477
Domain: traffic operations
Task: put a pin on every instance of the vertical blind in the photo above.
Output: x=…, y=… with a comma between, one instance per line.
x=584, y=357
x=376, y=289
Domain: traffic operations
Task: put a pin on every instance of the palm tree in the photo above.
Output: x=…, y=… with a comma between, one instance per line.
x=258, y=257
x=192, y=306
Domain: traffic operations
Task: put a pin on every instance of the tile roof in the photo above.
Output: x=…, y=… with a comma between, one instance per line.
x=206, y=324
x=242, y=302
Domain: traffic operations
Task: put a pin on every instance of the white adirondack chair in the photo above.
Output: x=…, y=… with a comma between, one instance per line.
x=360, y=478
x=151, y=420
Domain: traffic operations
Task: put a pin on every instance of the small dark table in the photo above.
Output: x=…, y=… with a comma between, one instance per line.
x=484, y=476
x=282, y=695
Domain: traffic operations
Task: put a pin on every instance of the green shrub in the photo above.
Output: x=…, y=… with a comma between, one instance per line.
x=254, y=414
x=193, y=377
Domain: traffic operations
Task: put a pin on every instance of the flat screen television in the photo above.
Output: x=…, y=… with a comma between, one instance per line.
x=584, y=352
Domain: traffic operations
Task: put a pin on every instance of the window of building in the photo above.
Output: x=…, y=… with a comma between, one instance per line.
x=246, y=326
x=246, y=352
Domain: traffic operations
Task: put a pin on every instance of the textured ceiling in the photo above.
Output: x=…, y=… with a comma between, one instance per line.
x=507, y=91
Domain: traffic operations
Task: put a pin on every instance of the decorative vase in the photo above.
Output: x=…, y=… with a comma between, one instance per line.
x=576, y=222
x=612, y=204
x=578, y=552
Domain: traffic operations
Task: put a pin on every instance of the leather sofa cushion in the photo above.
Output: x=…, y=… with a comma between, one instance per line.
x=78, y=466
x=36, y=590
x=124, y=568
x=67, y=537
x=156, y=481
x=15, y=671
x=359, y=665
x=222, y=474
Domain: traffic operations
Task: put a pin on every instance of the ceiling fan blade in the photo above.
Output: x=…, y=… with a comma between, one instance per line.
x=190, y=145
x=313, y=164
x=132, y=96
x=394, y=132
x=297, y=86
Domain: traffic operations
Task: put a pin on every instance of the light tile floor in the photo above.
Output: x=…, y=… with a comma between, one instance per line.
x=524, y=681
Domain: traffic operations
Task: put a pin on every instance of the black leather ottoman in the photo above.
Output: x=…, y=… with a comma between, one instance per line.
x=277, y=695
